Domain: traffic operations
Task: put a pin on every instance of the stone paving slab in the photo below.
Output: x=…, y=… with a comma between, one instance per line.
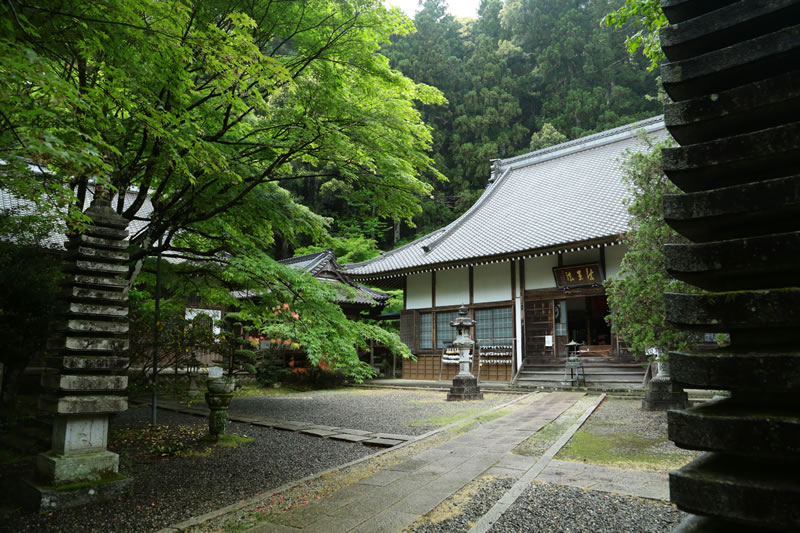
x=607, y=479
x=394, y=436
x=348, y=437
x=384, y=443
x=355, y=432
x=505, y=472
x=319, y=432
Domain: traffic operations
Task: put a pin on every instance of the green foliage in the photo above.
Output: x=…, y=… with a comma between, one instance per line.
x=270, y=368
x=509, y=76
x=636, y=296
x=234, y=345
x=209, y=108
x=304, y=314
x=29, y=284
x=545, y=137
x=646, y=14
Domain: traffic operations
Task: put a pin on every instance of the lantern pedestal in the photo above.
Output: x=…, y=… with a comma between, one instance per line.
x=465, y=387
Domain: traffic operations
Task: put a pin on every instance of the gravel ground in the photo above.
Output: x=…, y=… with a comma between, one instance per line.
x=551, y=508
x=460, y=512
x=408, y=412
x=169, y=490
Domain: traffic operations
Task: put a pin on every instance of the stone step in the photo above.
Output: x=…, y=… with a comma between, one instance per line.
x=737, y=264
x=756, y=491
x=748, y=61
x=746, y=158
x=752, y=107
x=748, y=210
x=721, y=28
x=724, y=426
x=91, y=253
x=722, y=369
x=681, y=10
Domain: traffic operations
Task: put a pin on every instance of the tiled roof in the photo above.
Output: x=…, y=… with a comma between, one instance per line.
x=316, y=262
x=568, y=195
x=21, y=207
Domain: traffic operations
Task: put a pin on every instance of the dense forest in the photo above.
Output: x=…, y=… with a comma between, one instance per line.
x=523, y=75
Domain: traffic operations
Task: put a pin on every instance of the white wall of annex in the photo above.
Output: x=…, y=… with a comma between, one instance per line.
x=452, y=287
x=539, y=272
x=491, y=283
x=582, y=257
x=614, y=259
x=418, y=291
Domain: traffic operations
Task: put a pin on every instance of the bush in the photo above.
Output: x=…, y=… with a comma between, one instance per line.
x=270, y=368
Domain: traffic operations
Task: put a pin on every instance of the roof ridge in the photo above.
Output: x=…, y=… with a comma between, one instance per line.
x=304, y=257
x=584, y=143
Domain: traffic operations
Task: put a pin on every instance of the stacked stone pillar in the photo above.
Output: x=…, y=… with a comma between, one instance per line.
x=86, y=377
x=733, y=74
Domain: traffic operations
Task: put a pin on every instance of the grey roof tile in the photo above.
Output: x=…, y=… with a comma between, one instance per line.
x=564, y=194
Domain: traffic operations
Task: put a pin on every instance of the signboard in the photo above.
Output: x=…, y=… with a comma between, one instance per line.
x=578, y=276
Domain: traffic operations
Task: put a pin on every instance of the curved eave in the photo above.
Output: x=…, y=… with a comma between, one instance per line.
x=393, y=278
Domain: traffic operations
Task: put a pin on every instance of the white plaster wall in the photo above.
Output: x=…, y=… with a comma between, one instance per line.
x=452, y=287
x=614, y=259
x=491, y=283
x=418, y=291
x=592, y=255
x=539, y=272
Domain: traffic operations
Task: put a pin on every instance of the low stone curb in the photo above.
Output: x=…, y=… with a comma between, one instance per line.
x=200, y=520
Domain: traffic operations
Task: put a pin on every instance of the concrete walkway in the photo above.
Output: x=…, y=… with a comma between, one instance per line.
x=397, y=496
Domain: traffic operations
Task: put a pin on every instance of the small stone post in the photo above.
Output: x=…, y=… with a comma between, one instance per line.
x=662, y=392
x=86, y=377
x=465, y=385
x=218, y=398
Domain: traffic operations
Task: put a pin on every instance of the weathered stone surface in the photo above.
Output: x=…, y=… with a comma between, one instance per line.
x=116, y=327
x=92, y=344
x=777, y=371
x=464, y=388
x=761, y=155
x=80, y=434
x=749, y=210
x=99, y=310
x=93, y=403
x=98, y=267
x=98, y=242
x=755, y=106
x=735, y=65
x=749, y=263
x=680, y=10
x=754, y=491
x=90, y=363
x=62, y=469
x=662, y=394
x=718, y=29
x=40, y=497
x=96, y=281
x=767, y=310
x=85, y=382
x=723, y=425
x=86, y=293
x=89, y=253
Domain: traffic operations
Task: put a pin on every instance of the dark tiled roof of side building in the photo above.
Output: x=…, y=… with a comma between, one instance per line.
x=559, y=197
x=316, y=263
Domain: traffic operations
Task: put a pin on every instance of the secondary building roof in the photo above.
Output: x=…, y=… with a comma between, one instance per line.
x=323, y=266
x=568, y=196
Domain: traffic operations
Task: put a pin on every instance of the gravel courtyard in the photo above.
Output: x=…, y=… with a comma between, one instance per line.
x=167, y=490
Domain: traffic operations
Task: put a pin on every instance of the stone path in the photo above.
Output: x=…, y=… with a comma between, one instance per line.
x=607, y=479
x=385, y=440
x=397, y=496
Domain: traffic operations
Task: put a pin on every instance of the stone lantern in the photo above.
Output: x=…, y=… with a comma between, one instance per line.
x=465, y=385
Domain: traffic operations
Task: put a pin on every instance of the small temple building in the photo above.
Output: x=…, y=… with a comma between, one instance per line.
x=528, y=259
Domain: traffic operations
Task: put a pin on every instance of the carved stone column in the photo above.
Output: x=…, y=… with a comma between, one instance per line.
x=86, y=378
x=733, y=73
